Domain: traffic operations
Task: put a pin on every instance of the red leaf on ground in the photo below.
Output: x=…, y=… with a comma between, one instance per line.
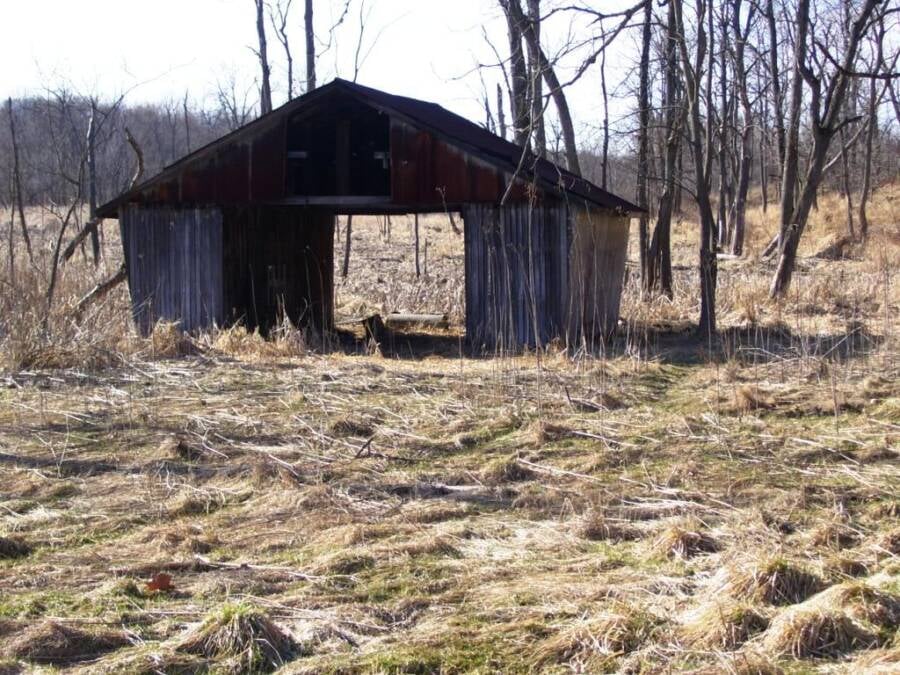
x=160, y=582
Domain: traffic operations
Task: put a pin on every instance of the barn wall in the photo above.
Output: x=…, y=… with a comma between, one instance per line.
x=599, y=247
x=278, y=259
x=174, y=261
x=516, y=261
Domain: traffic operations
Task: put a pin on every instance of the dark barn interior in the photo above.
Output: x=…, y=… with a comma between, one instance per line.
x=242, y=229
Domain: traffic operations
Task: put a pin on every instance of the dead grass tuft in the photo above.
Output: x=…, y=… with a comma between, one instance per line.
x=723, y=625
x=59, y=643
x=243, y=636
x=592, y=643
x=540, y=433
x=436, y=546
x=351, y=426
x=863, y=602
x=748, y=399
x=13, y=547
x=506, y=470
x=684, y=540
x=596, y=527
x=805, y=632
x=835, y=535
x=774, y=581
x=167, y=340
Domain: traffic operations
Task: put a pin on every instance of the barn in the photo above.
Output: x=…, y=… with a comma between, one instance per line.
x=243, y=228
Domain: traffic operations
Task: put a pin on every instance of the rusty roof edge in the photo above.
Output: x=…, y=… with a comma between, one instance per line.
x=373, y=98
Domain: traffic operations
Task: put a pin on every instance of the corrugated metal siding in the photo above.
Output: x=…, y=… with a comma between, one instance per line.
x=516, y=274
x=598, y=252
x=174, y=259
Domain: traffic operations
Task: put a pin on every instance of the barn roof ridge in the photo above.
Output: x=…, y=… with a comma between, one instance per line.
x=453, y=127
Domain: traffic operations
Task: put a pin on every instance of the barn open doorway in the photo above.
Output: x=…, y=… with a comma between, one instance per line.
x=407, y=269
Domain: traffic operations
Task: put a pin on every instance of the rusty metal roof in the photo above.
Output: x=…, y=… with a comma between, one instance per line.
x=453, y=128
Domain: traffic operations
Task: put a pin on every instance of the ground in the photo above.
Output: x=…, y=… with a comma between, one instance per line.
x=228, y=504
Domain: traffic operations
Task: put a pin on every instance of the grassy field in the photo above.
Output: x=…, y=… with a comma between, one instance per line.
x=222, y=503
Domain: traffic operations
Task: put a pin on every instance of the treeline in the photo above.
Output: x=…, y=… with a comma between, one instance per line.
x=69, y=145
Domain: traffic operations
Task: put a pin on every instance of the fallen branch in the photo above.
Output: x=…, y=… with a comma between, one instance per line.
x=100, y=291
x=86, y=231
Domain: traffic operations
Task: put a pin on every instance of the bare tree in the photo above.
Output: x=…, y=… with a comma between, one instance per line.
x=279, y=17
x=644, y=140
x=265, y=91
x=740, y=34
x=659, y=268
x=692, y=69
x=518, y=73
x=17, y=181
x=828, y=87
x=535, y=81
x=310, y=46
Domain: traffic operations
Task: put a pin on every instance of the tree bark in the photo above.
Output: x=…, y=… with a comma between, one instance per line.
x=535, y=80
x=346, y=266
x=660, y=256
x=310, y=46
x=17, y=182
x=265, y=92
x=92, y=179
x=553, y=84
x=746, y=151
x=644, y=142
x=826, y=125
x=697, y=135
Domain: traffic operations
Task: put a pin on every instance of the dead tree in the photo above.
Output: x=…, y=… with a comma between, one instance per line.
x=265, y=91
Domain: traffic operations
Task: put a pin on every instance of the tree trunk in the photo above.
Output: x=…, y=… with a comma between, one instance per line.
x=746, y=149
x=501, y=114
x=774, y=71
x=346, y=266
x=660, y=264
x=265, y=92
x=825, y=126
x=515, y=24
x=17, y=182
x=556, y=90
x=416, y=219
x=92, y=179
x=310, y=47
x=535, y=78
x=697, y=135
x=644, y=142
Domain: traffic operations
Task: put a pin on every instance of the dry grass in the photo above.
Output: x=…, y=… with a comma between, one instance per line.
x=53, y=642
x=242, y=637
x=723, y=625
x=815, y=633
x=667, y=506
x=774, y=581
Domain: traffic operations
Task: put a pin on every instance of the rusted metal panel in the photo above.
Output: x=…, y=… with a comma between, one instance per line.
x=267, y=163
x=232, y=174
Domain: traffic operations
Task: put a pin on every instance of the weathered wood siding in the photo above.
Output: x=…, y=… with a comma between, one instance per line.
x=174, y=260
x=516, y=260
x=597, y=270
x=278, y=260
